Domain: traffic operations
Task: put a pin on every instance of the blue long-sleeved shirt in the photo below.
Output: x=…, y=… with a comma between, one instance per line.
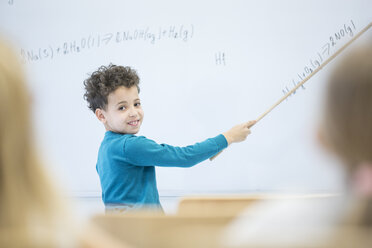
x=126, y=163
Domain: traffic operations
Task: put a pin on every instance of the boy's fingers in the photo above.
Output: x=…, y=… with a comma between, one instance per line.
x=251, y=123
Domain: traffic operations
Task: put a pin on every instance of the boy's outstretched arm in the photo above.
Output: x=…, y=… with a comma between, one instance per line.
x=140, y=151
x=239, y=132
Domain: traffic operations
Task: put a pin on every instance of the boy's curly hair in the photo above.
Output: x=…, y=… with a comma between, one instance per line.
x=106, y=80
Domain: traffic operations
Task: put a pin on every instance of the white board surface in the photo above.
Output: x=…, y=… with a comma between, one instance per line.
x=204, y=67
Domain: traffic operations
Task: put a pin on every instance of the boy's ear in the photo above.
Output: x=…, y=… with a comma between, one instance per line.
x=100, y=115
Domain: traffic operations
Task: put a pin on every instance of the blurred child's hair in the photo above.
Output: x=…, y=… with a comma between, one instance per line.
x=347, y=121
x=106, y=80
x=30, y=209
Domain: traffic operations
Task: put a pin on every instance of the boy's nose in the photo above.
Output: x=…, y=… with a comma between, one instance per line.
x=133, y=113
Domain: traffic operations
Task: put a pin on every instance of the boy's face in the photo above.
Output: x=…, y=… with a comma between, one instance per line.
x=123, y=113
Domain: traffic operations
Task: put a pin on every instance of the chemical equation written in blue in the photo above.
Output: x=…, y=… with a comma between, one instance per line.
x=151, y=36
x=346, y=31
x=10, y=2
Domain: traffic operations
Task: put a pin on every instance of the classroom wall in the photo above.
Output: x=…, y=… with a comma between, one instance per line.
x=204, y=67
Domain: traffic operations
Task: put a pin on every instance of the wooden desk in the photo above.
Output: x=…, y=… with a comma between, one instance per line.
x=154, y=230
x=230, y=205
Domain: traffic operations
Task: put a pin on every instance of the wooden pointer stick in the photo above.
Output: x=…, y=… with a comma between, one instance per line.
x=308, y=77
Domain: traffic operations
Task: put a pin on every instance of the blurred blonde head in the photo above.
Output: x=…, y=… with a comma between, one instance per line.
x=30, y=210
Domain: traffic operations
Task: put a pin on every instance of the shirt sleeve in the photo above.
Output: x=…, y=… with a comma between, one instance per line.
x=140, y=151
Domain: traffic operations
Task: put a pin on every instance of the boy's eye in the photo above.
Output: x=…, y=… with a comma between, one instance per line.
x=137, y=104
x=121, y=108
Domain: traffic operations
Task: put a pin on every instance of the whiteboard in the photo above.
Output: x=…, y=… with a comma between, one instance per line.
x=204, y=67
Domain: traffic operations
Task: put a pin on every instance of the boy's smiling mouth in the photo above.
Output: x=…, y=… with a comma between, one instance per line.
x=133, y=123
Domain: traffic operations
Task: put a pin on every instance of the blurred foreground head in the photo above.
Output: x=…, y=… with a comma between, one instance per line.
x=31, y=213
x=347, y=122
x=347, y=126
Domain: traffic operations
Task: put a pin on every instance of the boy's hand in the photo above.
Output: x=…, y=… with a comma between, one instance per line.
x=239, y=132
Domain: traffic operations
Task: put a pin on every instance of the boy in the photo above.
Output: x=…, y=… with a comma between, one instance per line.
x=126, y=162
